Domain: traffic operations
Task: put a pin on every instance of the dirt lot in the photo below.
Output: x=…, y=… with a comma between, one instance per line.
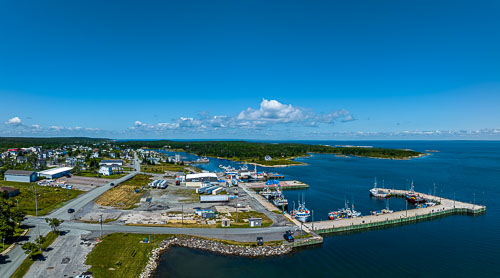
x=85, y=183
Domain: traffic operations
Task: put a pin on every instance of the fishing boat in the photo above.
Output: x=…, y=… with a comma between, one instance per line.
x=267, y=192
x=413, y=197
x=301, y=213
x=344, y=213
x=281, y=202
x=203, y=159
x=376, y=192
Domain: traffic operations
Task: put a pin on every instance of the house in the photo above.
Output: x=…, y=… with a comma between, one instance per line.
x=268, y=158
x=106, y=170
x=56, y=172
x=10, y=190
x=20, y=176
x=21, y=159
x=205, y=213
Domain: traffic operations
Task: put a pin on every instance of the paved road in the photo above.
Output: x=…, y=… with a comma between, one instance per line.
x=16, y=256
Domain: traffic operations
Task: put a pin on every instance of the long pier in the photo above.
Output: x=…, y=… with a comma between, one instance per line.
x=444, y=207
x=283, y=185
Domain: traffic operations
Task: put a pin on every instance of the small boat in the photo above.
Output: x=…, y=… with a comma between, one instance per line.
x=376, y=192
x=413, y=197
x=382, y=211
x=344, y=213
x=281, y=202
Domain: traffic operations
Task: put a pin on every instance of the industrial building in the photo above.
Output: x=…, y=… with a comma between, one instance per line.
x=111, y=162
x=197, y=180
x=56, y=172
x=20, y=176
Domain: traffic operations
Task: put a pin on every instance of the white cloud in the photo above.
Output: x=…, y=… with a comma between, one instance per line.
x=272, y=111
x=16, y=121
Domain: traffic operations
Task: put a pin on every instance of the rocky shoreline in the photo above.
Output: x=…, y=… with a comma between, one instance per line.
x=211, y=246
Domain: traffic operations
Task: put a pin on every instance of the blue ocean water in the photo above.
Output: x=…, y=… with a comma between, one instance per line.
x=459, y=246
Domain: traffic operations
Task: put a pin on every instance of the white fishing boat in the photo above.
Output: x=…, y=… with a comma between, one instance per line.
x=301, y=213
x=376, y=192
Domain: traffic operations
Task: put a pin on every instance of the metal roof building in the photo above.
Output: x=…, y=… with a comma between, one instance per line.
x=56, y=172
x=20, y=176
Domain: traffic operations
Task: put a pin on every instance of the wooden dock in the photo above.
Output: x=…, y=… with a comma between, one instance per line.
x=444, y=207
x=284, y=185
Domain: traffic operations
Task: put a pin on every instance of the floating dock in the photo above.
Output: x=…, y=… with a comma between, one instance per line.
x=444, y=207
x=284, y=185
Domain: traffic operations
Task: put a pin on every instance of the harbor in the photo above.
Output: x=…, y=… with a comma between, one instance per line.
x=443, y=207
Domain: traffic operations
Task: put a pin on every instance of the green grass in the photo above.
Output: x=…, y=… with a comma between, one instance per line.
x=122, y=252
x=94, y=174
x=49, y=198
x=266, y=221
x=26, y=264
x=162, y=168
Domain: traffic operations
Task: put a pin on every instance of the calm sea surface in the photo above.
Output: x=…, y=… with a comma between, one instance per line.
x=453, y=246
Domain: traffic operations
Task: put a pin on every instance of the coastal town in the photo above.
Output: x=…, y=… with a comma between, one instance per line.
x=66, y=203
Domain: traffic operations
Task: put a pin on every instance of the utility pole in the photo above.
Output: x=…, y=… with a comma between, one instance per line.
x=39, y=244
x=236, y=212
x=454, y=198
x=182, y=216
x=3, y=241
x=406, y=202
x=474, y=201
x=312, y=215
x=100, y=220
x=17, y=200
x=36, y=203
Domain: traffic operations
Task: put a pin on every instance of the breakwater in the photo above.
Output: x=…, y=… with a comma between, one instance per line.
x=211, y=246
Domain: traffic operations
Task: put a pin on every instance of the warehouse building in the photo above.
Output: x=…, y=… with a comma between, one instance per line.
x=20, y=176
x=111, y=162
x=197, y=180
x=56, y=172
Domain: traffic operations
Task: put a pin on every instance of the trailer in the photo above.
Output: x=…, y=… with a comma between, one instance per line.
x=214, y=198
x=217, y=190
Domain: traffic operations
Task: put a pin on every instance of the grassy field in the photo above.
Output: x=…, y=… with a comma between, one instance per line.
x=266, y=221
x=93, y=174
x=26, y=264
x=161, y=168
x=49, y=198
x=189, y=195
x=121, y=255
x=123, y=196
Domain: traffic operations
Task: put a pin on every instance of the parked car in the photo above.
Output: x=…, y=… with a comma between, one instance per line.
x=260, y=241
x=71, y=210
x=288, y=236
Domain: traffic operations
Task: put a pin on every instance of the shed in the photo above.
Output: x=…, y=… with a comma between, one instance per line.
x=225, y=222
x=20, y=176
x=255, y=222
x=11, y=190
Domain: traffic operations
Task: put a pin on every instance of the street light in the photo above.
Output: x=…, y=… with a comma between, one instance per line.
x=100, y=220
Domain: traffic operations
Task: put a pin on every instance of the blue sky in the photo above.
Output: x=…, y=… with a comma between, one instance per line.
x=251, y=69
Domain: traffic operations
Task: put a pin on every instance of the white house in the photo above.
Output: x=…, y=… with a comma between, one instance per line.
x=106, y=170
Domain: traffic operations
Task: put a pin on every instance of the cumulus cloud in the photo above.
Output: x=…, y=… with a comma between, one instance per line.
x=269, y=113
x=16, y=121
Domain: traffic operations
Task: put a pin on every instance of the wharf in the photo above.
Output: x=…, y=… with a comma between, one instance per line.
x=444, y=207
x=284, y=185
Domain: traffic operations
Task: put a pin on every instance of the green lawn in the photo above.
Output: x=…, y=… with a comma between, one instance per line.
x=49, y=198
x=94, y=174
x=26, y=264
x=266, y=221
x=121, y=255
x=162, y=168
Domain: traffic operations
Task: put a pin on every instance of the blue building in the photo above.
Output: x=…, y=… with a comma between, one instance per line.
x=20, y=176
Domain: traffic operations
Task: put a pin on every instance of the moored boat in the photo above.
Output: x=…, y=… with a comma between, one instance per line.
x=376, y=192
x=413, y=197
x=344, y=213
